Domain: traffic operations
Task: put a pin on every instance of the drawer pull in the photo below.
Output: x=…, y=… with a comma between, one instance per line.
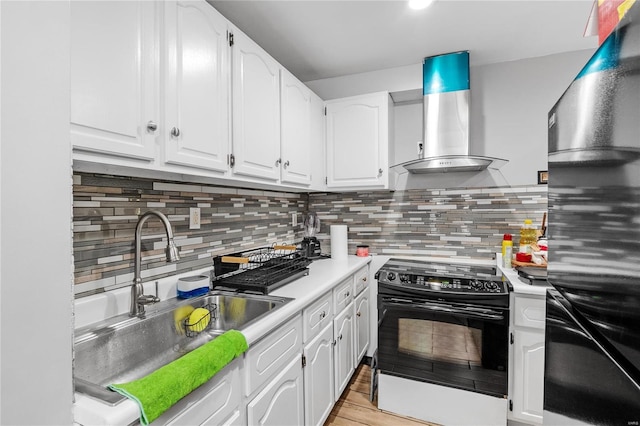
x=358, y=314
x=364, y=279
x=340, y=337
x=347, y=294
x=323, y=315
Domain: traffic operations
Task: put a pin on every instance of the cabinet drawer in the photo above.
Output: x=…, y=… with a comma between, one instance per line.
x=529, y=312
x=317, y=316
x=361, y=280
x=343, y=294
x=215, y=400
x=271, y=354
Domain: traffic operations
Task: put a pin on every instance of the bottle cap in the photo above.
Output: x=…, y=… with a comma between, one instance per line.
x=528, y=221
x=507, y=237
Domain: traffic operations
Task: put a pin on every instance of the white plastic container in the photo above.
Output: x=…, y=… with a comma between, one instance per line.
x=193, y=286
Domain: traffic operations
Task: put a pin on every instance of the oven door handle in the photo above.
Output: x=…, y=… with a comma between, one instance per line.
x=472, y=312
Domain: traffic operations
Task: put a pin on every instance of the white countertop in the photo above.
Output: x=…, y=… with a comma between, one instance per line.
x=324, y=274
x=519, y=285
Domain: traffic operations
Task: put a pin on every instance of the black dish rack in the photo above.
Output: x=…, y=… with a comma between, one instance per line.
x=259, y=270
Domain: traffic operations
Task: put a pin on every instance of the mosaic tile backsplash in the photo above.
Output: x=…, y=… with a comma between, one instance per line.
x=106, y=210
x=461, y=223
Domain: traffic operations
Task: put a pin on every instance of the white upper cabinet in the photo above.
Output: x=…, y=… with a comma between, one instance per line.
x=357, y=137
x=196, y=131
x=114, y=77
x=174, y=88
x=256, y=110
x=318, y=152
x=296, y=130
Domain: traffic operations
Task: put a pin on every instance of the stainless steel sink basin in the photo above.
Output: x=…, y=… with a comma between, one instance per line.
x=124, y=348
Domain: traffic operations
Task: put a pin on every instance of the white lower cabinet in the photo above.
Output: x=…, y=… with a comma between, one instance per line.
x=527, y=359
x=281, y=402
x=343, y=350
x=362, y=318
x=318, y=384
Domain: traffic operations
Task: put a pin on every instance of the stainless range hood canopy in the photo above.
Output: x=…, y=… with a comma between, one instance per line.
x=446, y=118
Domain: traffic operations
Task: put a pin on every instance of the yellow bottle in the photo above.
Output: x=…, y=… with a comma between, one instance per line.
x=507, y=250
x=527, y=236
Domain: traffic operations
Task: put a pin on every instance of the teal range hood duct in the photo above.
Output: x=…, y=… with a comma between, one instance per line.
x=446, y=103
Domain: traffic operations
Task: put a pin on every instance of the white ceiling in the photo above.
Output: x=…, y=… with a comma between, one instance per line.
x=329, y=38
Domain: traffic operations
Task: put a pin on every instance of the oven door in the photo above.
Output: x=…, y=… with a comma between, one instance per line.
x=456, y=345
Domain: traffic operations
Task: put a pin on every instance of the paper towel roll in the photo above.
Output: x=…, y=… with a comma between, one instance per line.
x=339, y=241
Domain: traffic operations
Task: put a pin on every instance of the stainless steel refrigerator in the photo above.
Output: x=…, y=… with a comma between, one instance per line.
x=592, y=342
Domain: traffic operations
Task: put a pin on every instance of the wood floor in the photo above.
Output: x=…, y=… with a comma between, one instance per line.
x=354, y=407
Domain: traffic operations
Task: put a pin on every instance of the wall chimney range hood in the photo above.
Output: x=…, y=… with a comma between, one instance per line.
x=445, y=146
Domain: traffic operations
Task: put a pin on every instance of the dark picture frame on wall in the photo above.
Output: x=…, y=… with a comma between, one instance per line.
x=543, y=177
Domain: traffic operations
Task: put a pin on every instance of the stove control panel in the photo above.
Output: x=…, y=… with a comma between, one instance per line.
x=439, y=283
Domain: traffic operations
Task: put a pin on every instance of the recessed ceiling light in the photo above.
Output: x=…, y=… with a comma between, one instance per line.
x=419, y=4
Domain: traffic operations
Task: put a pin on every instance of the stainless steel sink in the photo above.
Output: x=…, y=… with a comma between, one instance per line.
x=124, y=348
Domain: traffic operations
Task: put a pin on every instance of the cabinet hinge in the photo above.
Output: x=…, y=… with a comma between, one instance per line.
x=510, y=405
x=231, y=160
x=230, y=38
x=304, y=361
x=326, y=180
x=511, y=338
x=325, y=110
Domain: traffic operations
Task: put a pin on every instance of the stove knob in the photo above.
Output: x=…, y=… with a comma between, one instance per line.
x=391, y=276
x=491, y=286
x=404, y=278
x=476, y=285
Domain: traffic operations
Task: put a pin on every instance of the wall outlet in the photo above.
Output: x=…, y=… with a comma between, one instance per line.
x=294, y=219
x=194, y=217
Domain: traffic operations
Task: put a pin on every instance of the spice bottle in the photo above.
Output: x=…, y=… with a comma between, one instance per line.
x=527, y=237
x=507, y=250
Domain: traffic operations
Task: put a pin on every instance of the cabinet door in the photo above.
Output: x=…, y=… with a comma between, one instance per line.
x=343, y=350
x=114, y=69
x=295, y=144
x=528, y=377
x=318, y=151
x=197, y=121
x=281, y=401
x=357, y=141
x=318, y=379
x=256, y=110
x=362, y=319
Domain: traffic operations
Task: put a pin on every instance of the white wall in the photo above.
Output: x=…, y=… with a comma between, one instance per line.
x=35, y=218
x=509, y=106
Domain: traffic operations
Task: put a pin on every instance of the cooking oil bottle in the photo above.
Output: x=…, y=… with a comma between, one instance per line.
x=527, y=236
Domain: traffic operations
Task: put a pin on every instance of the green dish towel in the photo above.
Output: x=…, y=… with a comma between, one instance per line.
x=158, y=391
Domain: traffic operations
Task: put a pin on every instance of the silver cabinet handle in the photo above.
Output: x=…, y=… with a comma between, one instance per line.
x=323, y=314
x=379, y=172
x=347, y=294
x=340, y=337
x=364, y=279
x=286, y=164
x=175, y=132
x=152, y=126
x=278, y=161
x=358, y=314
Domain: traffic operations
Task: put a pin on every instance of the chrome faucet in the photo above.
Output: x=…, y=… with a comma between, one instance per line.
x=138, y=299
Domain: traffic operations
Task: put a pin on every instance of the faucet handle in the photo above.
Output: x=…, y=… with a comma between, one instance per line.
x=147, y=299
